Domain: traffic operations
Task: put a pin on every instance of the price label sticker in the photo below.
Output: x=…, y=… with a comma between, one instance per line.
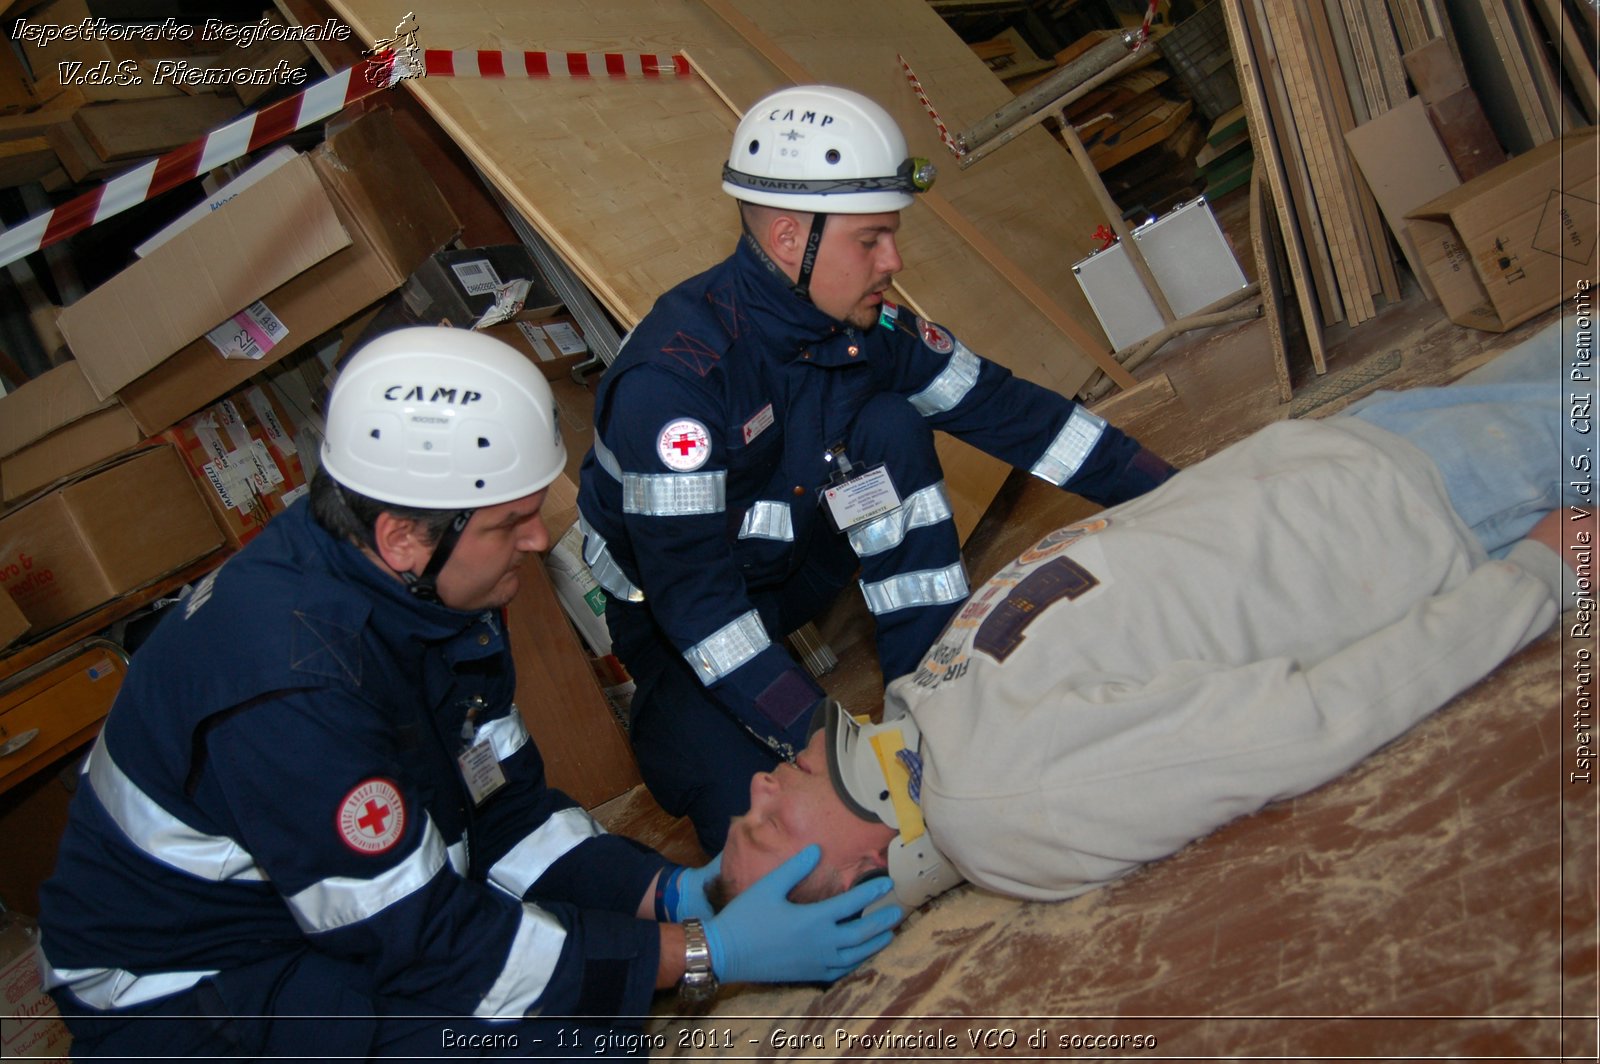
x=251, y=333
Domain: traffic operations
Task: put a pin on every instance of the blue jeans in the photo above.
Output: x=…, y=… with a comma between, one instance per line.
x=1501, y=436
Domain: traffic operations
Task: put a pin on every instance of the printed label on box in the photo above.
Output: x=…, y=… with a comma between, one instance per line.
x=251, y=333
x=568, y=339
x=267, y=418
x=476, y=277
x=537, y=340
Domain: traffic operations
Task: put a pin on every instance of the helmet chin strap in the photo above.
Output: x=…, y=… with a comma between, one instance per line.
x=808, y=259
x=425, y=586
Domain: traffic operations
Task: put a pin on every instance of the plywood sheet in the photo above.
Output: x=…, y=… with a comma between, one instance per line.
x=622, y=176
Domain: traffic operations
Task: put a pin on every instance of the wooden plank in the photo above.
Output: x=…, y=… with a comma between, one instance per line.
x=137, y=129
x=1434, y=70
x=1302, y=202
x=1330, y=76
x=1263, y=243
x=1523, y=92
x=1558, y=110
x=24, y=161
x=1407, y=20
x=1576, y=61
x=1373, y=239
x=1359, y=41
x=1314, y=126
x=1349, y=69
x=1466, y=134
x=77, y=156
x=1270, y=160
x=1386, y=51
x=585, y=751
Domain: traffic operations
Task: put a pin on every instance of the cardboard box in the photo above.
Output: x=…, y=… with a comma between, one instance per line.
x=556, y=344
x=395, y=216
x=106, y=533
x=12, y=621
x=54, y=426
x=243, y=454
x=273, y=231
x=1516, y=240
x=462, y=286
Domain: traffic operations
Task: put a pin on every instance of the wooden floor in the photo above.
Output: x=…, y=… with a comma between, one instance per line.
x=1439, y=900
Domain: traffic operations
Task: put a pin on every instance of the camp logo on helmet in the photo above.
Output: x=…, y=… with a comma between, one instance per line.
x=782, y=114
x=421, y=393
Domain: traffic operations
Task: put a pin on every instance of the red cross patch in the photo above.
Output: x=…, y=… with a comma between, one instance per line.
x=684, y=445
x=372, y=816
x=936, y=337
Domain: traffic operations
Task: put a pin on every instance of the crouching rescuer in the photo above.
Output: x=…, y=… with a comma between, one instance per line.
x=314, y=823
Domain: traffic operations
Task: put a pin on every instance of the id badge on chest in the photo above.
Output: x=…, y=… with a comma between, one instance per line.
x=481, y=769
x=855, y=496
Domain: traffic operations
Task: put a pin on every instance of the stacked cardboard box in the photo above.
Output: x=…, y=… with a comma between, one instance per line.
x=289, y=261
x=1517, y=239
x=243, y=454
x=99, y=536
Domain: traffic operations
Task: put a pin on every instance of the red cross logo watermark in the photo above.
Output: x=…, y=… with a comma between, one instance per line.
x=372, y=816
x=684, y=445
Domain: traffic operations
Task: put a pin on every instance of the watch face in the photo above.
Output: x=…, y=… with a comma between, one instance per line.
x=697, y=987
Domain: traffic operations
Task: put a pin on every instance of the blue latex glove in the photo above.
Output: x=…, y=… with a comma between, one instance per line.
x=763, y=937
x=686, y=897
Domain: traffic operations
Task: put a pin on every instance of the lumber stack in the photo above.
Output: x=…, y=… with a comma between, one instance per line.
x=1491, y=74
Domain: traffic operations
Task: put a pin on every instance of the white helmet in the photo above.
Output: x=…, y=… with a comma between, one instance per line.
x=442, y=419
x=825, y=149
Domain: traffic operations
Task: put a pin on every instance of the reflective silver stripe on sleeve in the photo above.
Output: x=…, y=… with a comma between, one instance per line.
x=548, y=843
x=460, y=857
x=505, y=735
x=728, y=647
x=339, y=901
x=114, y=988
x=535, y=949
x=929, y=587
x=162, y=836
x=951, y=385
x=920, y=509
x=674, y=494
x=768, y=520
x=604, y=568
x=607, y=460
x=1066, y=453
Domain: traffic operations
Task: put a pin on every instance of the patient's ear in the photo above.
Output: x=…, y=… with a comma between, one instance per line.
x=870, y=866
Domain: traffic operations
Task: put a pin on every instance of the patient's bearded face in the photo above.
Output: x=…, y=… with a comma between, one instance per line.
x=790, y=808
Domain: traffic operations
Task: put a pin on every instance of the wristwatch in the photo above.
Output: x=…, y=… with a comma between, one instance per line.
x=699, y=982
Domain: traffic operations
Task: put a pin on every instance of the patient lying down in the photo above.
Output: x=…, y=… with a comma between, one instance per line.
x=1252, y=629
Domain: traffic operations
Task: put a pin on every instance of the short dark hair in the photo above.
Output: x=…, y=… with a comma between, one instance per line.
x=347, y=514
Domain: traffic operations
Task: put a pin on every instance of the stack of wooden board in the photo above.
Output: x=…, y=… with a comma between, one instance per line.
x=1314, y=71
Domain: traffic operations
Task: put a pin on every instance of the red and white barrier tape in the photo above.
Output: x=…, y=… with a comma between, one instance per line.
x=916, y=87
x=465, y=64
x=1149, y=17
x=321, y=101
